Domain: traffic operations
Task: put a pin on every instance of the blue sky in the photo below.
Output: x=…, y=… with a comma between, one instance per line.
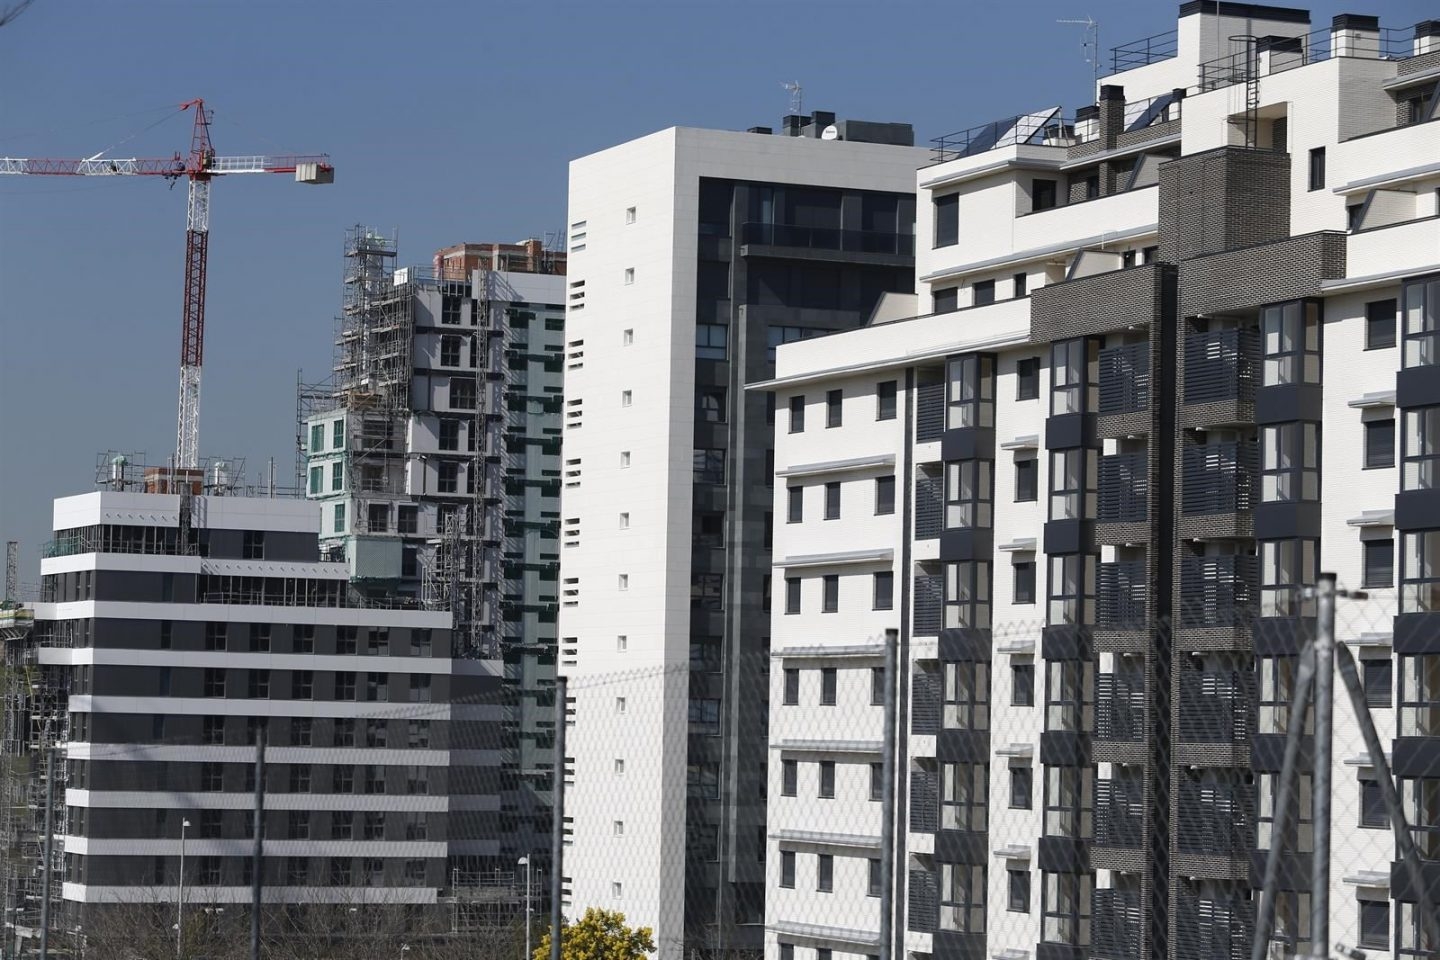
x=446, y=120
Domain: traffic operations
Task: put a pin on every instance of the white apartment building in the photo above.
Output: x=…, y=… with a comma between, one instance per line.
x=692, y=255
x=1146, y=389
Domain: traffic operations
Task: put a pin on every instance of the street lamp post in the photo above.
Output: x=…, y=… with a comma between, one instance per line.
x=180, y=891
x=525, y=862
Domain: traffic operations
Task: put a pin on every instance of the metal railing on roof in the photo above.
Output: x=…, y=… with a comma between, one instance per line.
x=1042, y=128
x=1290, y=53
x=1145, y=51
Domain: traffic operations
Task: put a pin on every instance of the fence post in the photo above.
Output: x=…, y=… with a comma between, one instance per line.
x=1324, y=730
x=49, y=855
x=887, y=795
x=557, y=830
x=257, y=862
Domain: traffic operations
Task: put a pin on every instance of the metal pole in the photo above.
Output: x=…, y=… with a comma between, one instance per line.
x=49, y=850
x=1294, y=728
x=557, y=831
x=180, y=892
x=1324, y=729
x=257, y=863
x=887, y=796
x=527, y=909
x=1403, y=840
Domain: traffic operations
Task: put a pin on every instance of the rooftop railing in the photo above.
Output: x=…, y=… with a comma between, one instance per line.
x=1042, y=128
x=1145, y=51
x=1239, y=67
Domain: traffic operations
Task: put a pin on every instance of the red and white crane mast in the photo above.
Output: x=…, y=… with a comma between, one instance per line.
x=198, y=167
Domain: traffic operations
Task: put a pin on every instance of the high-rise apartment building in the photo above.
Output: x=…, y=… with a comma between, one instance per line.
x=435, y=457
x=178, y=628
x=1151, y=384
x=693, y=255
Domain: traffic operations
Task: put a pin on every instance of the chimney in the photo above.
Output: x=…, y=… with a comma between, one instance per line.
x=1276, y=54
x=792, y=123
x=821, y=119
x=534, y=250
x=1112, y=114
x=1355, y=35
x=1427, y=37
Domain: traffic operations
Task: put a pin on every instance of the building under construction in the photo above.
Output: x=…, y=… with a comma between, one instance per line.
x=434, y=452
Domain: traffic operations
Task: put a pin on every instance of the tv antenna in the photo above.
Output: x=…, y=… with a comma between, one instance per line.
x=1091, y=44
x=797, y=100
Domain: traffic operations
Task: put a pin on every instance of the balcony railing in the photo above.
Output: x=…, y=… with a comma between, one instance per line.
x=1216, y=820
x=1213, y=929
x=1120, y=598
x=1044, y=128
x=924, y=801
x=828, y=238
x=1116, y=925
x=930, y=412
x=924, y=902
x=1216, y=706
x=1218, y=591
x=1125, y=378
x=929, y=507
x=1140, y=53
x=1221, y=365
x=1218, y=478
x=1124, y=488
x=1119, y=814
x=929, y=601
x=1236, y=68
x=1119, y=708
x=925, y=709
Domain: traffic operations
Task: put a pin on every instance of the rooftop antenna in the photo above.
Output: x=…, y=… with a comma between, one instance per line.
x=1090, y=46
x=797, y=100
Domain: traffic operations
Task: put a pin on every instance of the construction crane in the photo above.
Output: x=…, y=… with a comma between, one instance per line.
x=199, y=167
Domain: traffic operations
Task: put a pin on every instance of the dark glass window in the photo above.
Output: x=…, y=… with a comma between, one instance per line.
x=884, y=495
x=1027, y=378
x=1291, y=333
x=1287, y=568
x=1379, y=443
x=711, y=340
x=877, y=781
x=710, y=404
x=1379, y=563
x=827, y=780
x=1021, y=284
x=1024, y=574
x=1018, y=887
x=1372, y=806
x=1421, y=451
x=797, y=414
x=834, y=407
x=966, y=695
x=1069, y=695
x=885, y=400
x=792, y=686
x=1375, y=924
x=1042, y=194
x=828, y=683
x=967, y=595
x=1380, y=324
x=877, y=686
x=792, y=594
x=1021, y=787
x=789, y=777
x=968, y=494
x=787, y=869
x=964, y=796
x=1022, y=684
x=1027, y=480
x=947, y=220
x=1379, y=679
x=970, y=391
x=794, y=504
x=832, y=500
x=983, y=292
x=945, y=300
x=1290, y=470
x=873, y=888
x=1074, y=376
x=825, y=873
x=1317, y=168
x=962, y=898
x=884, y=590
x=830, y=599
x=1066, y=908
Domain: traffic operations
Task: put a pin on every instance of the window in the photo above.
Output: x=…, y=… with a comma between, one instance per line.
x=877, y=686
x=830, y=598
x=447, y=479
x=259, y=685
x=462, y=394
x=1375, y=924
x=794, y=504
x=1022, y=684
x=792, y=594
x=1317, y=168
x=1379, y=677
x=345, y=685
x=1380, y=324
x=1024, y=581
x=789, y=777
x=1021, y=787
x=629, y=214
x=1074, y=371
x=792, y=686
x=884, y=495
x=337, y=434
x=947, y=220
x=709, y=466
x=711, y=341
x=214, y=682
x=1291, y=462
x=1073, y=481
x=967, y=595
x=1287, y=567
x=710, y=405
x=1027, y=480
x=945, y=300
x=873, y=888
x=827, y=780
x=1027, y=378
x=965, y=695
x=624, y=459
x=970, y=391
x=627, y=337
x=1069, y=695
x=1021, y=284
x=1373, y=814
x=885, y=400
x=1072, y=589
x=983, y=293
x=1354, y=216
x=834, y=404
x=619, y=704
x=629, y=274
x=1092, y=192
x=1291, y=334
x=828, y=678
x=787, y=868
x=884, y=590
x=968, y=494
x=1421, y=451
x=339, y=518
x=877, y=781
x=1379, y=563
x=253, y=545
x=964, y=796
x=825, y=873
x=317, y=480
x=962, y=898
x=317, y=437
x=1017, y=886
x=797, y=414
x=1379, y=443
x=449, y=351
x=627, y=397
x=449, y=434
x=1066, y=910
x=1042, y=194
x=337, y=475
x=832, y=501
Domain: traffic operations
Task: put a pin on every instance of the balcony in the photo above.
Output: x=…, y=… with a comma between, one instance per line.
x=829, y=239
x=1116, y=925
x=1218, y=478
x=925, y=696
x=929, y=601
x=924, y=801
x=1121, y=597
x=1218, y=593
x=1119, y=814
x=1208, y=929
x=1124, y=487
x=1215, y=706
x=929, y=507
x=1216, y=820
x=929, y=412
x=1119, y=708
x=924, y=902
x=1124, y=405
x=1222, y=367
